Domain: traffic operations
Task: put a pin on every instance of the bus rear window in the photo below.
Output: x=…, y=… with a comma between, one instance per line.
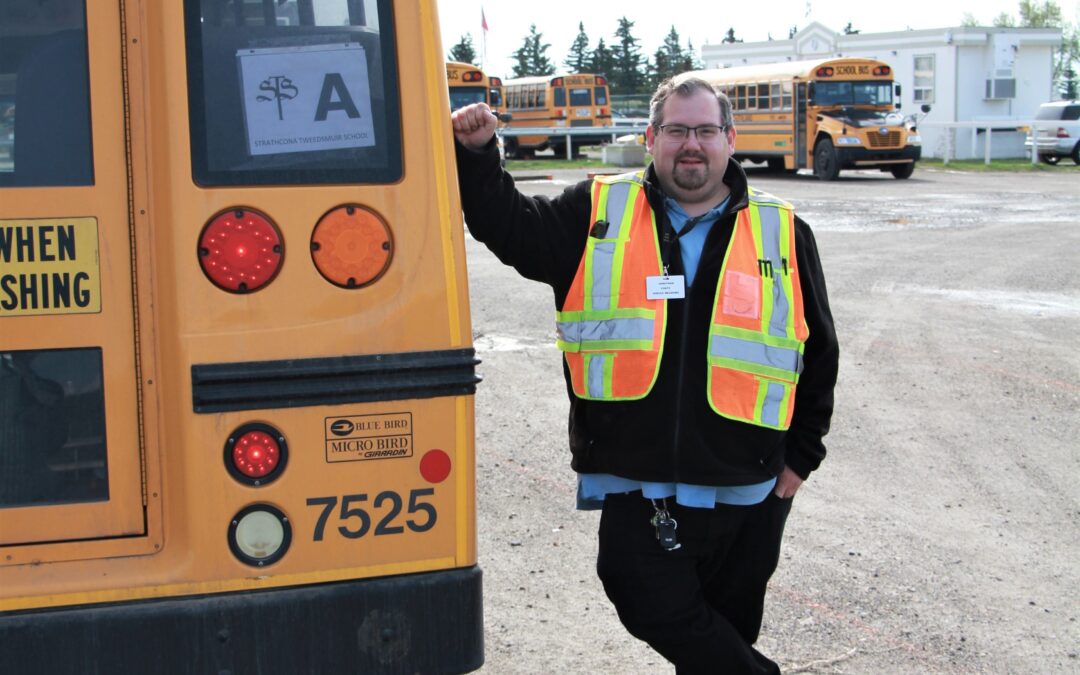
x=580, y=96
x=44, y=94
x=52, y=428
x=601, y=95
x=293, y=91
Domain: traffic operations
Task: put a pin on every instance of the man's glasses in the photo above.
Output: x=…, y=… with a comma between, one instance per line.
x=706, y=133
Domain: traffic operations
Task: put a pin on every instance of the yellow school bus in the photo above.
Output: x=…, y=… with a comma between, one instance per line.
x=825, y=115
x=236, y=369
x=574, y=100
x=468, y=85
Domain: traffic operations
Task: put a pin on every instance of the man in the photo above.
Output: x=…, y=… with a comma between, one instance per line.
x=700, y=360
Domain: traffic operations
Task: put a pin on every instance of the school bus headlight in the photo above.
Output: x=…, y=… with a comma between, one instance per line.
x=914, y=139
x=848, y=140
x=351, y=246
x=259, y=535
x=256, y=454
x=240, y=250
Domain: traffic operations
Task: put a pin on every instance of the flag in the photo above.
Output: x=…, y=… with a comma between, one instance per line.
x=483, y=20
x=484, y=27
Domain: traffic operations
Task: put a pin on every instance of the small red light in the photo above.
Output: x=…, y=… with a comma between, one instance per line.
x=495, y=82
x=256, y=454
x=824, y=71
x=603, y=111
x=557, y=82
x=240, y=250
x=601, y=80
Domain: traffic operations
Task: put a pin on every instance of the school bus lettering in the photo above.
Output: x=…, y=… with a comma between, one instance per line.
x=361, y=437
x=357, y=521
x=49, y=267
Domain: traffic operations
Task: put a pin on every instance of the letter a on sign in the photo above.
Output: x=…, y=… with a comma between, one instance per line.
x=333, y=87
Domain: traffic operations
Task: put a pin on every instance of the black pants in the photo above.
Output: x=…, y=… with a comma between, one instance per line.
x=699, y=606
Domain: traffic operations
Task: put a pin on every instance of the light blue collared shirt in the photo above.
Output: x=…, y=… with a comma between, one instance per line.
x=593, y=486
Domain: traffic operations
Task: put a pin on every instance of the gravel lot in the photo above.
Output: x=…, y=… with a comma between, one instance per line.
x=941, y=535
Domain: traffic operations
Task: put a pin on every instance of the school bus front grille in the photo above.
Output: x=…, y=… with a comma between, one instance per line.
x=889, y=140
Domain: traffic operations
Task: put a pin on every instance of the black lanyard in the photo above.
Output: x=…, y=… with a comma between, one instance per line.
x=671, y=237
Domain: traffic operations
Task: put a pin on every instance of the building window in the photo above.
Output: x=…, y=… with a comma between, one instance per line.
x=924, y=79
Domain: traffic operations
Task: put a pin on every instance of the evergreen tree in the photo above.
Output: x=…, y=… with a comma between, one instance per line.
x=669, y=60
x=463, y=51
x=730, y=37
x=690, y=59
x=531, y=57
x=627, y=78
x=577, y=60
x=602, y=61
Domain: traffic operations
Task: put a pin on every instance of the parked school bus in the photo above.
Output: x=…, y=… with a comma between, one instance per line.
x=825, y=115
x=575, y=100
x=468, y=84
x=236, y=370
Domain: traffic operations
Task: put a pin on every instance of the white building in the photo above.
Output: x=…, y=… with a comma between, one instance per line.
x=964, y=73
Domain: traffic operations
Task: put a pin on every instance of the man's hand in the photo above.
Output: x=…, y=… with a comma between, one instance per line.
x=787, y=484
x=474, y=125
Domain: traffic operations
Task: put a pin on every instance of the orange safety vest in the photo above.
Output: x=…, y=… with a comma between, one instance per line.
x=612, y=335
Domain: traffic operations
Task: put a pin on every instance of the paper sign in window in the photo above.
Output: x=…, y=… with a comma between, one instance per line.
x=306, y=99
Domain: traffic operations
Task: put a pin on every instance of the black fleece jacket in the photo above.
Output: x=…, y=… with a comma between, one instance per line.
x=670, y=435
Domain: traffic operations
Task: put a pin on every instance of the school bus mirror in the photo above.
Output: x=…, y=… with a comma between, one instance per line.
x=897, y=91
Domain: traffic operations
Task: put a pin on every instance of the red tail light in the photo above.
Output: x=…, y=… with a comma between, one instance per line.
x=601, y=80
x=603, y=111
x=256, y=454
x=560, y=112
x=240, y=250
x=1062, y=132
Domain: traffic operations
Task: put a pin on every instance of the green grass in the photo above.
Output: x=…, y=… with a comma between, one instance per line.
x=550, y=164
x=1013, y=165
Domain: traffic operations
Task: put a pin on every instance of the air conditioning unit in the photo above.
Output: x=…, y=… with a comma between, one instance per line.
x=999, y=88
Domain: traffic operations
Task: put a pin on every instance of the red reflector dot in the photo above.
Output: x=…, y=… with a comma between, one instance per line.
x=435, y=466
x=256, y=454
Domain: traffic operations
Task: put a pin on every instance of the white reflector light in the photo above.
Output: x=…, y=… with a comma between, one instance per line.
x=259, y=535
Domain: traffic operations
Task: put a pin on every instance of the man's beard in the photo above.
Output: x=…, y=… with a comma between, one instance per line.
x=691, y=178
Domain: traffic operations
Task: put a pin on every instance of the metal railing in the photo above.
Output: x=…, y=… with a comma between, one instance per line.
x=622, y=128
x=1030, y=127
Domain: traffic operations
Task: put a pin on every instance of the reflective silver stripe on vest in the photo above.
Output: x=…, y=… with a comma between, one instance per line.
x=769, y=216
x=609, y=329
x=595, y=376
x=757, y=353
x=770, y=407
x=603, y=256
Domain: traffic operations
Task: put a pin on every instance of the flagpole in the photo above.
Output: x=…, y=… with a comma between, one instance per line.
x=484, y=29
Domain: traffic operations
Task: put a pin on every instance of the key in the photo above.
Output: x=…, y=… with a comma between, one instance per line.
x=665, y=532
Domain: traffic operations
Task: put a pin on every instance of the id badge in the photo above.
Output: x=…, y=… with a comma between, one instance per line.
x=665, y=287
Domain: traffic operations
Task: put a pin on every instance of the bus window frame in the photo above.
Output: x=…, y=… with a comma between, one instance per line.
x=204, y=176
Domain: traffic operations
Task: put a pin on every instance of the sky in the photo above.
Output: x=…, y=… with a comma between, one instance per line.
x=701, y=22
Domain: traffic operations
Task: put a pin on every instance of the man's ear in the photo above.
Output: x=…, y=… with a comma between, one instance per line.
x=650, y=138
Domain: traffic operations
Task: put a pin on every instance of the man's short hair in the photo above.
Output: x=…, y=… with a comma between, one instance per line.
x=686, y=86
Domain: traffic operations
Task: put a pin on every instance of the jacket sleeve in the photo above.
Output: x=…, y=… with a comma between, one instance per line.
x=542, y=238
x=814, y=395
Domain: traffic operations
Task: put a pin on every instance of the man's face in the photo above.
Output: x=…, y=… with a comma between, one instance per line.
x=690, y=171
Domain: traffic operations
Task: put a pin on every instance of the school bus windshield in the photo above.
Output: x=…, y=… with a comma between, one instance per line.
x=852, y=93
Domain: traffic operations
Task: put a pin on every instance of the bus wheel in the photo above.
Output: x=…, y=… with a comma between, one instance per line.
x=902, y=170
x=826, y=163
x=776, y=164
x=1076, y=154
x=511, y=149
